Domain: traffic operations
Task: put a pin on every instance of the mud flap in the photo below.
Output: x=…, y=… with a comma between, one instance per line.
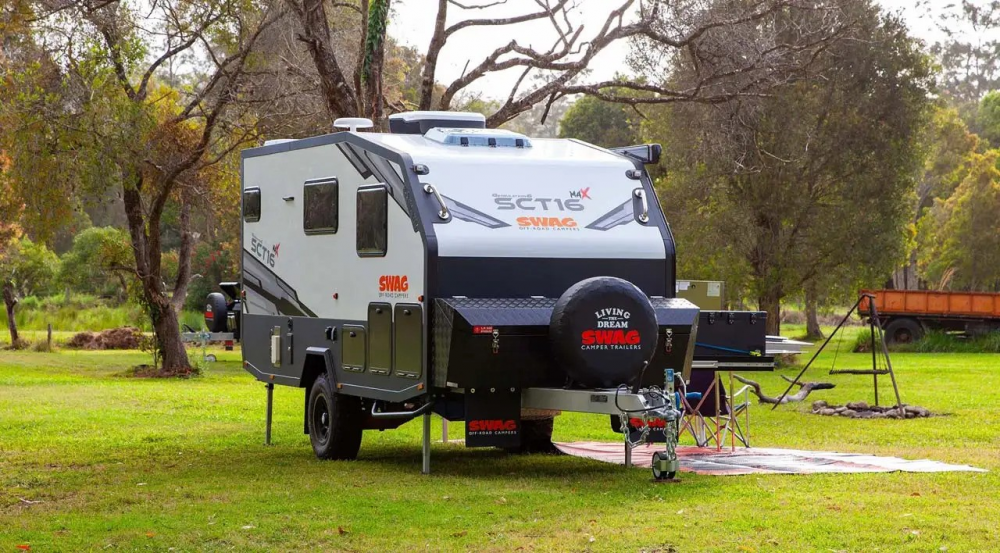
x=493, y=417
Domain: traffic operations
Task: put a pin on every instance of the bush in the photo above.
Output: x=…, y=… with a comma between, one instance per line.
x=91, y=265
x=936, y=341
x=78, y=312
x=33, y=267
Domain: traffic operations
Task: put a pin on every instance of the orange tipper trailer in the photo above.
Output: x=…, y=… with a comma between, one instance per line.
x=907, y=314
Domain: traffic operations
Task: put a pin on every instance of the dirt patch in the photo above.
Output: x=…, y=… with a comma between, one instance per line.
x=861, y=410
x=149, y=371
x=115, y=338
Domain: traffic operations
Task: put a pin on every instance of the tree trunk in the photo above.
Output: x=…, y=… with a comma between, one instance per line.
x=147, y=263
x=373, y=61
x=813, y=332
x=179, y=295
x=770, y=302
x=9, y=301
x=168, y=335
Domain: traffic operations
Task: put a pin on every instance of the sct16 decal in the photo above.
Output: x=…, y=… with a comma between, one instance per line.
x=267, y=255
x=530, y=202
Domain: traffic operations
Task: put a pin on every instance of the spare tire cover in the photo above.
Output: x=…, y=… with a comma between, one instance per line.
x=603, y=332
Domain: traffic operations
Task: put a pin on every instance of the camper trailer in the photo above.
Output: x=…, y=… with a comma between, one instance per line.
x=480, y=274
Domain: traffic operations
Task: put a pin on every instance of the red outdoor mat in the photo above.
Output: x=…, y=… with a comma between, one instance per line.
x=758, y=460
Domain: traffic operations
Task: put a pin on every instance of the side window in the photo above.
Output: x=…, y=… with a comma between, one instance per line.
x=320, y=207
x=373, y=218
x=251, y=205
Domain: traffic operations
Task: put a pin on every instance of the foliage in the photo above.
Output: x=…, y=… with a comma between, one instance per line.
x=960, y=236
x=599, y=122
x=213, y=264
x=969, y=55
x=988, y=118
x=936, y=341
x=117, y=118
x=811, y=186
x=100, y=262
x=32, y=267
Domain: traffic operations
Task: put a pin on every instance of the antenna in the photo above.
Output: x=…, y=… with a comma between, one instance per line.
x=353, y=123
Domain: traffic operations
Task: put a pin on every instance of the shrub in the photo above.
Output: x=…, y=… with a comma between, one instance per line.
x=936, y=341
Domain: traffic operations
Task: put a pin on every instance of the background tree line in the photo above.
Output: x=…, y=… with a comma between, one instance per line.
x=880, y=171
x=805, y=154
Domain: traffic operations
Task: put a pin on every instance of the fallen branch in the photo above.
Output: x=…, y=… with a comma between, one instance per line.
x=805, y=388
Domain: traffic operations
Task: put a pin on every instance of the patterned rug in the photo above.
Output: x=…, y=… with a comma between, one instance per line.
x=758, y=460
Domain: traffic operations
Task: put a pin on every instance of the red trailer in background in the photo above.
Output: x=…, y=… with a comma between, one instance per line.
x=907, y=314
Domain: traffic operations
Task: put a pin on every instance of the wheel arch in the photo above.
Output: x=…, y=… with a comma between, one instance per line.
x=318, y=361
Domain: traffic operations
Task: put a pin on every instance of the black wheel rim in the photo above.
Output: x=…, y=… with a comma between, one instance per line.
x=903, y=336
x=320, y=420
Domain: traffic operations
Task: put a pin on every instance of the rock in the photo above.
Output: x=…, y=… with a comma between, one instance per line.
x=877, y=415
x=827, y=412
x=865, y=415
x=819, y=404
x=917, y=411
x=840, y=409
x=858, y=405
x=848, y=413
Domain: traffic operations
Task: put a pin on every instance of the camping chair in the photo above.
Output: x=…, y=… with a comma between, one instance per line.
x=711, y=415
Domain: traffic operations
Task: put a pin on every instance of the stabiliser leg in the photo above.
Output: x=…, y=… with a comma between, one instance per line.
x=270, y=404
x=426, y=453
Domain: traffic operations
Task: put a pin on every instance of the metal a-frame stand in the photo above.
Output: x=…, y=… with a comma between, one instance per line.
x=881, y=364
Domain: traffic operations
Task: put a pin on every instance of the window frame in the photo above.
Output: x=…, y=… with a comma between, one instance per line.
x=305, y=205
x=243, y=204
x=384, y=189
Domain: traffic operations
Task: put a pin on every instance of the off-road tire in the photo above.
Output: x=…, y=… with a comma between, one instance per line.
x=903, y=331
x=217, y=305
x=338, y=434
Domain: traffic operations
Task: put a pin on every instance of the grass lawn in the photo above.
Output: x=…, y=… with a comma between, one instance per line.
x=92, y=460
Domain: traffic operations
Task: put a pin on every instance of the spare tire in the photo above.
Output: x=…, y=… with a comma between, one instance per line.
x=216, y=313
x=603, y=332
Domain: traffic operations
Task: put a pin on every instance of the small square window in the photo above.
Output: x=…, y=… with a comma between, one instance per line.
x=373, y=219
x=320, y=207
x=251, y=205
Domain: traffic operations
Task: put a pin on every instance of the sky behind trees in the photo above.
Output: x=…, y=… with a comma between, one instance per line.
x=413, y=21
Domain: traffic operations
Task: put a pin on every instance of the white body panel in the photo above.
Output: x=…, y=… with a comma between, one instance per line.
x=531, y=191
x=318, y=266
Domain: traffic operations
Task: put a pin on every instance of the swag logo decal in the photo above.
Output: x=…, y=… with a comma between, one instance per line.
x=393, y=286
x=610, y=331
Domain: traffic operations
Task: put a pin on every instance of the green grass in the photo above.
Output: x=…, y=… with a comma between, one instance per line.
x=127, y=464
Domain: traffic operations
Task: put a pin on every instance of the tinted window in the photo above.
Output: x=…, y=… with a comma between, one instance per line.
x=251, y=205
x=373, y=217
x=320, y=210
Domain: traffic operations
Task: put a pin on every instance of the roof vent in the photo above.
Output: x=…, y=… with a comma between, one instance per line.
x=490, y=138
x=419, y=122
